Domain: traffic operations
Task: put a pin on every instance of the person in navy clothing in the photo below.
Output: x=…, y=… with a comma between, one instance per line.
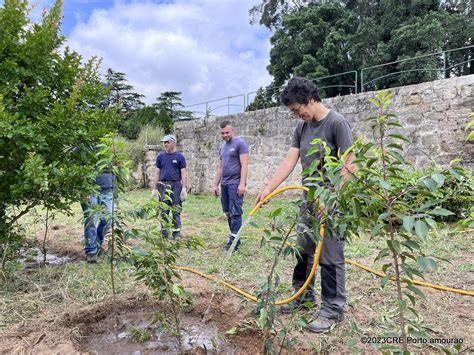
x=171, y=175
x=232, y=175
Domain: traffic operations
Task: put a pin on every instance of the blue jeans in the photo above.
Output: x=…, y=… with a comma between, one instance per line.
x=232, y=206
x=175, y=205
x=97, y=221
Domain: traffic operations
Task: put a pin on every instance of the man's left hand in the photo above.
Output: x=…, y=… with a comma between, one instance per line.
x=183, y=195
x=241, y=190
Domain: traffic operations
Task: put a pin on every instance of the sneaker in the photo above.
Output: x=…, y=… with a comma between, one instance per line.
x=297, y=303
x=91, y=258
x=176, y=235
x=322, y=324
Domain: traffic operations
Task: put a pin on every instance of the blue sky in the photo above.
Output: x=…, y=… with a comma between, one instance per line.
x=204, y=48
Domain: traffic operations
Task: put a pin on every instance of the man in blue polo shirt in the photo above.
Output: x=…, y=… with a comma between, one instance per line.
x=232, y=175
x=171, y=174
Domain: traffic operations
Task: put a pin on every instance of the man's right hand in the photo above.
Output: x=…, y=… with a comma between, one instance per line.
x=215, y=191
x=261, y=196
x=154, y=193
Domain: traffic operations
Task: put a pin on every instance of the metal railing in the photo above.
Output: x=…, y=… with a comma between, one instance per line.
x=442, y=71
x=348, y=83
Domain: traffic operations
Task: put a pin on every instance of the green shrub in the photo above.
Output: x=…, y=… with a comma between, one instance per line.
x=456, y=194
x=148, y=135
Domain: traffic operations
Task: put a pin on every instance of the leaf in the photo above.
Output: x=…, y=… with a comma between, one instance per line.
x=416, y=291
x=232, y=331
x=400, y=136
x=375, y=102
x=408, y=222
x=394, y=245
x=421, y=229
x=385, y=184
x=438, y=178
x=352, y=342
x=312, y=151
x=470, y=136
x=262, y=321
x=395, y=146
x=370, y=162
x=382, y=253
x=276, y=212
x=426, y=264
x=440, y=212
x=420, y=260
x=431, y=222
x=384, y=281
x=411, y=244
x=412, y=298
x=356, y=209
x=377, y=229
x=394, y=123
x=430, y=184
x=413, y=310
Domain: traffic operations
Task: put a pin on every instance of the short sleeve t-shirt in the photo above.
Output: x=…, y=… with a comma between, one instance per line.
x=229, y=154
x=170, y=165
x=334, y=129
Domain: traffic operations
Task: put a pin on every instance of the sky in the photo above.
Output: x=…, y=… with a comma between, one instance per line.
x=205, y=49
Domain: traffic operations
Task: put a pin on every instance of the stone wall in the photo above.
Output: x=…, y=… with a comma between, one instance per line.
x=433, y=115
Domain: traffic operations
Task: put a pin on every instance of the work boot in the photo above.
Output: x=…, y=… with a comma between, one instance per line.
x=91, y=258
x=295, y=304
x=322, y=324
x=229, y=243
x=176, y=235
x=101, y=252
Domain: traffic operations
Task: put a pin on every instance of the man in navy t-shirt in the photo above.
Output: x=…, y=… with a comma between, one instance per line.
x=232, y=176
x=171, y=175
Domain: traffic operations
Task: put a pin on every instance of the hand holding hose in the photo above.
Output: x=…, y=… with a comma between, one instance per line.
x=261, y=196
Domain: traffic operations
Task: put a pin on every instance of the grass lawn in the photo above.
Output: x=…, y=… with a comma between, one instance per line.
x=44, y=295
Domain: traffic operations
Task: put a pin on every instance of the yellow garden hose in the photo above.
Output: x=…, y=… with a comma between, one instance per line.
x=415, y=282
x=315, y=264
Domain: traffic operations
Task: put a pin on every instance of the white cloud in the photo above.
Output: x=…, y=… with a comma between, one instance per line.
x=204, y=48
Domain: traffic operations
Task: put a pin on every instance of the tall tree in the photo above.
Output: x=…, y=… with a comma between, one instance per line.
x=121, y=96
x=49, y=103
x=313, y=41
x=120, y=92
x=170, y=101
x=264, y=98
x=321, y=38
x=269, y=13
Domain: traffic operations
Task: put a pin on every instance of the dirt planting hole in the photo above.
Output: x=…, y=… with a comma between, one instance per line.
x=133, y=332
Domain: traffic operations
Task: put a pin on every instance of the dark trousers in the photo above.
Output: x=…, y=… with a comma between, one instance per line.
x=332, y=265
x=169, y=192
x=232, y=206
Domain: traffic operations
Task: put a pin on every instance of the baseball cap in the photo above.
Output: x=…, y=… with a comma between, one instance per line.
x=168, y=137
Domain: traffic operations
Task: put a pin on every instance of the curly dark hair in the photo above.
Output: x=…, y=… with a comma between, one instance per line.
x=299, y=90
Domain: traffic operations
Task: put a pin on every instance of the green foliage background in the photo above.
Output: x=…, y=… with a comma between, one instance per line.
x=319, y=38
